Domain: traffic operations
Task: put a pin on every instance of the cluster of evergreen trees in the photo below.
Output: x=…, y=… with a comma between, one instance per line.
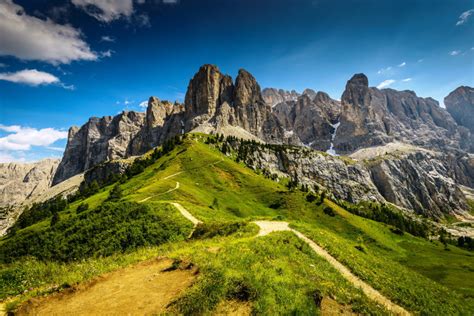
x=388, y=215
x=38, y=212
x=110, y=228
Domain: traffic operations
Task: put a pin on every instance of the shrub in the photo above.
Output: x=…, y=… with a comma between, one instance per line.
x=209, y=230
x=329, y=211
x=82, y=207
x=115, y=194
x=310, y=197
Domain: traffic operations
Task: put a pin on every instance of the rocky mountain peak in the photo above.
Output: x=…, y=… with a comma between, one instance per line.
x=205, y=91
x=247, y=90
x=274, y=96
x=358, y=80
x=460, y=104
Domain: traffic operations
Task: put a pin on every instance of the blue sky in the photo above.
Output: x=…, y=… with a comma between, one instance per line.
x=64, y=61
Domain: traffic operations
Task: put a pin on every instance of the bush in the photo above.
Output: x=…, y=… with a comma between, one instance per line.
x=82, y=207
x=115, y=194
x=329, y=211
x=209, y=230
x=310, y=197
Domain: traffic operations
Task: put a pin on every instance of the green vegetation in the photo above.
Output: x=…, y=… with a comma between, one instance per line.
x=277, y=274
x=107, y=229
x=389, y=214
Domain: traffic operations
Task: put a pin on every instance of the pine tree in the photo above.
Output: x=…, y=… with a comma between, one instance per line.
x=116, y=193
x=55, y=219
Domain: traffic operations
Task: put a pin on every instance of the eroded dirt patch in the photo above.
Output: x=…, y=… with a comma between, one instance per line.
x=142, y=289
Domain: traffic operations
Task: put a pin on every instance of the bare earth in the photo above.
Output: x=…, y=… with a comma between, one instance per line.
x=142, y=289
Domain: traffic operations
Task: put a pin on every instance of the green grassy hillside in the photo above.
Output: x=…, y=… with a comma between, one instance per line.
x=276, y=273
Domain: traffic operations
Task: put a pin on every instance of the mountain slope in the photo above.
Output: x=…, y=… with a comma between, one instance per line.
x=226, y=195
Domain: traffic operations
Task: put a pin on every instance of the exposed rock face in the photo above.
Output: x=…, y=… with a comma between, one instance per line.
x=346, y=180
x=310, y=118
x=274, y=96
x=20, y=182
x=98, y=140
x=415, y=180
x=460, y=104
x=418, y=181
x=372, y=117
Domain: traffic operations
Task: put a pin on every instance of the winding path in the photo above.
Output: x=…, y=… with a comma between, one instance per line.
x=267, y=227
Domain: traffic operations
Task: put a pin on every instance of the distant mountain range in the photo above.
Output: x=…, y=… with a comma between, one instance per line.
x=405, y=149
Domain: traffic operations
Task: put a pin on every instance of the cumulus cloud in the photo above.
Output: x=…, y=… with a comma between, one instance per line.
x=406, y=79
x=106, y=11
x=23, y=138
x=30, y=38
x=464, y=17
x=30, y=77
x=454, y=52
x=385, y=83
x=143, y=104
x=33, y=77
x=402, y=64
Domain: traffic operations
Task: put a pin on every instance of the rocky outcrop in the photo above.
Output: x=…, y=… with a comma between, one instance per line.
x=311, y=119
x=372, y=117
x=460, y=104
x=418, y=181
x=20, y=182
x=273, y=96
x=98, y=140
x=415, y=179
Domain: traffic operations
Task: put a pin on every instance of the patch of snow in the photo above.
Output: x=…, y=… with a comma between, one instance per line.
x=331, y=149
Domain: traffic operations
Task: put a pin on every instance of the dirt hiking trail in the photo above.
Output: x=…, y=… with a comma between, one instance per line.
x=267, y=227
x=142, y=289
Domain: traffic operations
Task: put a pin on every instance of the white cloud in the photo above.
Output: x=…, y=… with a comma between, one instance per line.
x=6, y=157
x=30, y=77
x=107, y=38
x=143, y=104
x=384, y=70
x=107, y=53
x=406, y=79
x=402, y=64
x=454, y=52
x=464, y=17
x=106, y=10
x=385, y=83
x=22, y=138
x=420, y=60
x=55, y=148
x=30, y=38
